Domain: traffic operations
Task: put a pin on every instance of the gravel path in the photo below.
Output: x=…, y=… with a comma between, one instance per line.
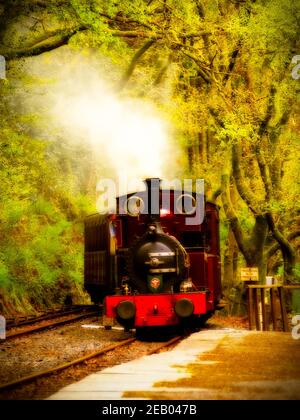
x=30, y=354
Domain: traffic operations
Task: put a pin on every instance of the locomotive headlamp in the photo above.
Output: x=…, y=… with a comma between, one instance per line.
x=126, y=310
x=184, y=308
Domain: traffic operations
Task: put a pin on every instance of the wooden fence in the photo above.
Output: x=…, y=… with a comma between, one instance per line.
x=267, y=307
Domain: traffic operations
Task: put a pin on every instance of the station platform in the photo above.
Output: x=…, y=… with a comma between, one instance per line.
x=210, y=364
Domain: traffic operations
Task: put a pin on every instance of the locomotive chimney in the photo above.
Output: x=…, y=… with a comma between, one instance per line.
x=153, y=186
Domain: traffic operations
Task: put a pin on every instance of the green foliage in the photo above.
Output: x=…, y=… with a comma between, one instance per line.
x=4, y=274
x=224, y=229
x=41, y=249
x=95, y=16
x=297, y=273
x=210, y=72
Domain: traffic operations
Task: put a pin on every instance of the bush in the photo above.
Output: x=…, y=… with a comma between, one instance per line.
x=41, y=248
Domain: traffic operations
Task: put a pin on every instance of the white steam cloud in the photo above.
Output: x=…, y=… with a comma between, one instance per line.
x=127, y=134
x=123, y=131
x=74, y=94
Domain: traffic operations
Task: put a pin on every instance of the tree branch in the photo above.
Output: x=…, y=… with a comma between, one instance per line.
x=242, y=188
x=274, y=135
x=202, y=71
x=216, y=116
x=58, y=39
x=264, y=171
x=232, y=217
x=148, y=44
x=122, y=19
x=269, y=112
x=276, y=164
x=288, y=251
x=216, y=194
x=47, y=44
x=232, y=63
x=276, y=247
x=162, y=71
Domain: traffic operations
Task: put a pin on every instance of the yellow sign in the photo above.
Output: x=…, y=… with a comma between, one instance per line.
x=249, y=274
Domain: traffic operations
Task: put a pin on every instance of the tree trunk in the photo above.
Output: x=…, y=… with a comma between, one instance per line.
x=256, y=256
x=287, y=249
x=202, y=138
x=252, y=248
x=190, y=154
x=230, y=261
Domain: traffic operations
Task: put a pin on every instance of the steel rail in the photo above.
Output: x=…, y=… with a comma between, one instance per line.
x=39, y=328
x=167, y=344
x=49, y=315
x=75, y=362
x=30, y=378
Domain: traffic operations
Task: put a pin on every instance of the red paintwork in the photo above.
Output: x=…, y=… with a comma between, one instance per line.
x=213, y=274
x=204, y=260
x=198, y=269
x=156, y=310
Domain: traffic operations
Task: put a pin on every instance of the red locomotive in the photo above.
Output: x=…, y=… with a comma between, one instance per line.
x=154, y=269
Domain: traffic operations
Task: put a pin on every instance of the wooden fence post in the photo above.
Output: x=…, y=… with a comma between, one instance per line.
x=250, y=307
x=256, y=309
x=273, y=308
x=265, y=325
x=283, y=310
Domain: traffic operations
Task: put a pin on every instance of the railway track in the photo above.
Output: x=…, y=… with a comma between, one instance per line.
x=32, y=319
x=56, y=370
x=51, y=321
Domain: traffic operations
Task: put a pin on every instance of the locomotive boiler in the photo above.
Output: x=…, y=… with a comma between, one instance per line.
x=152, y=268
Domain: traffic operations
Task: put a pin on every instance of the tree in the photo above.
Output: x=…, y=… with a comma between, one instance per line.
x=219, y=71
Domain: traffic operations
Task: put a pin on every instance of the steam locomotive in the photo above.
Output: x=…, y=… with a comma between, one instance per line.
x=152, y=268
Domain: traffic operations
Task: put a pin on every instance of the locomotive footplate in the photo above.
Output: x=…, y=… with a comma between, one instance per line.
x=154, y=310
